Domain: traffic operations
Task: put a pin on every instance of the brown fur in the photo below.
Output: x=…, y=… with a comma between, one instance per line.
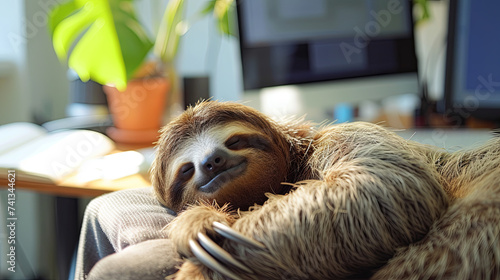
x=362, y=195
x=465, y=242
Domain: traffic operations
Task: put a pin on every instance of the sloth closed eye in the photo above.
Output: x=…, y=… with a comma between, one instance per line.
x=186, y=168
x=187, y=171
x=232, y=142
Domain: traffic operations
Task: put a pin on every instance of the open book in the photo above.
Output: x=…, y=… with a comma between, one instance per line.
x=38, y=155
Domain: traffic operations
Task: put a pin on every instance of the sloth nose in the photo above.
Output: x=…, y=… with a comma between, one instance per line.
x=215, y=162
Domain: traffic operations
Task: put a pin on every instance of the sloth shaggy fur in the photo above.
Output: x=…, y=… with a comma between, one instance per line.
x=342, y=201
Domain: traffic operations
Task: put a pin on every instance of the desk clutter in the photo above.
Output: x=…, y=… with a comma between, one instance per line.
x=38, y=155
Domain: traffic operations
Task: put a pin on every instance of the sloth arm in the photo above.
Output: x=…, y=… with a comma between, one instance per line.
x=372, y=195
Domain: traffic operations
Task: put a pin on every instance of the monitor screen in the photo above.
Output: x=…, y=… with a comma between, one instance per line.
x=287, y=42
x=472, y=80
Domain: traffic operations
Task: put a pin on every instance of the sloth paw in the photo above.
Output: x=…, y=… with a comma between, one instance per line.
x=197, y=219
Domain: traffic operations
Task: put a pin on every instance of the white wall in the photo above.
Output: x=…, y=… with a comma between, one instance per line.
x=14, y=98
x=32, y=86
x=48, y=84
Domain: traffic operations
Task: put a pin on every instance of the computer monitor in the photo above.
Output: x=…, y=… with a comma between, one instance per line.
x=472, y=78
x=324, y=52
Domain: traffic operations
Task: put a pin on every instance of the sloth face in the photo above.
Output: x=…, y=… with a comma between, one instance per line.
x=217, y=157
x=233, y=162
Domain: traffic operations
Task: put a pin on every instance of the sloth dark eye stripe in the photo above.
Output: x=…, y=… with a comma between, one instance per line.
x=245, y=141
x=233, y=141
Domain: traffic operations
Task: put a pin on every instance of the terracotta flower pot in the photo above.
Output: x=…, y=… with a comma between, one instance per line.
x=137, y=112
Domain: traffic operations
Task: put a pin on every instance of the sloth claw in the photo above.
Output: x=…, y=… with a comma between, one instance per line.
x=220, y=254
x=211, y=254
x=233, y=235
x=210, y=261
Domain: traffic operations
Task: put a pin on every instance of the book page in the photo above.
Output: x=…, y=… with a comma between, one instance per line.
x=57, y=154
x=16, y=134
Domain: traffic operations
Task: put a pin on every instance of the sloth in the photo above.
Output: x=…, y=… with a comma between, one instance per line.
x=340, y=201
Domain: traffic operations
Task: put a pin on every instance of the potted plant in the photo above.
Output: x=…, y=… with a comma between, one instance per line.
x=103, y=40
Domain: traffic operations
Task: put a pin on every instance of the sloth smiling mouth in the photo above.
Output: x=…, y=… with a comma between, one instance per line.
x=211, y=185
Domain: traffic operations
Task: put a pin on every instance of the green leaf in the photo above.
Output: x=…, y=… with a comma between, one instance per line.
x=424, y=5
x=135, y=43
x=223, y=12
x=104, y=40
x=171, y=28
x=209, y=8
x=59, y=13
